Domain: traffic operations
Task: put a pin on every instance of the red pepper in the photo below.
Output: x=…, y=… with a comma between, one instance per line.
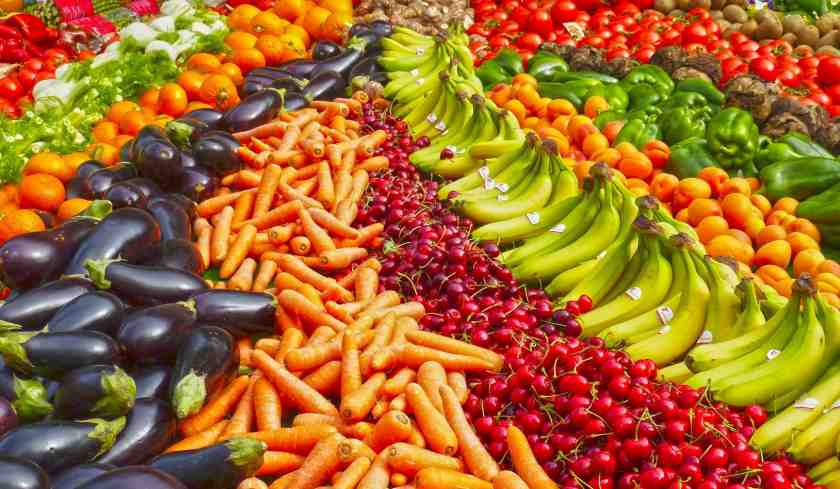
x=32, y=27
x=9, y=32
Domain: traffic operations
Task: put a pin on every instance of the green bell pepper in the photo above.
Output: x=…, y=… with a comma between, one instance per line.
x=692, y=100
x=510, y=61
x=800, y=178
x=563, y=91
x=733, y=139
x=650, y=75
x=704, y=88
x=690, y=156
x=545, y=64
x=500, y=69
x=637, y=132
x=803, y=145
x=823, y=207
x=682, y=123
x=583, y=75
x=813, y=7
x=643, y=96
x=606, y=117
x=649, y=114
x=774, y=152
x=617, y=99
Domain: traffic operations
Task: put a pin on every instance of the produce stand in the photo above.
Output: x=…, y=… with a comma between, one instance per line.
x=304, y=244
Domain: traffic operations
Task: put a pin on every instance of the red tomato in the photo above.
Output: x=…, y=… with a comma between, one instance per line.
x=809, y=62
x=563, y=11
x=530, y=41
x=788, y=78
x=541, y=23
x=833, y=110
x=746, y=48
x=699, y=13
x=57, y=56
x=499, y=41
x=34, y=64
x=27, y=78
x=820, y=98
x=828, y=70
x=695, y=32
x=509, y=26
x=520, y=15
x=764, y=67
x=643, y=55
x=617, y=53
x=10, y=88
x=834, y=92
x=44, y=75
x=670, y=37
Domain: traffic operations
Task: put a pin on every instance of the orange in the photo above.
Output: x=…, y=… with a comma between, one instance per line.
x=787, y=204
x=104, y=152
x=770, y=233
x=203, y=63
x=805, y=226
x=701, y=208
x=50, y=164
x=290, y=9
x=267, y=23
x=727, y=245
x=341, y=6
x=218, y=90
x=761, y=203
x=711, y=227
x=150, y=98
x=233, y=72
x=300, y=33
x=773, y=253
x=73, y=160
x=71, y=207
x=240, y=18
x=335, y=26
x=196, y=104
x=663, y=185
x=119, y=109
x=801, y=241
x=736, y=209
x=20, y=221
x=191, y=81
x=736, y=185
x=41, y=191
x=132, y=122
x=313, y=21
x=272, y=48
x=105, y=131
x=740, y=236
x=808, y=261
x=715, y=177
x=248, y=59
x=173, y=99
x=121, y=140
x=240, y=40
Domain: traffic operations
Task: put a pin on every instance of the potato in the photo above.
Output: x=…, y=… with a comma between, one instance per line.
x=718, y=4
x=677, y=13
x=733, y=28
x=734, y=13
x=749, y=27
x=809, y=35
x=664, y=6
x=762, y=14
x=717, y=15
x=827, y=23
x=723, y=24
x=830, y=39
x=769, y=28
x=684, y=4
x=793, y=23
x=790, y=37
x=703, y=4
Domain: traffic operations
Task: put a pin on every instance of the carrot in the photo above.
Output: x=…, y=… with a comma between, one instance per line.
x=285, y=280
x=343, y=185
x=277, y=463
x=399, y=403
x=295, y=303
x=268, y=345
x=409, y=459
x=351, y=373
x=267, y=406
x=304, y=273
x=297, y=439
x=281, y=233
x=326, y=188
x=220, y=285
x=308, y=419
x=414, y=355
x=252, y=483
x=290, y=138
x=367, y=283
x=292, y=194
x=221, y=232
x=431, y=422
x=326, y=379
x=414, y=310
x=214, y=205
x=378, y=475
x=311, y=130
x=307, y=171
x=348, y=161
x=284, y=320
x=372, y=141
x=283, y=482
x=267, y=189
x=199, y=440
x=386, y=299
x=374, y=163
x=341, y=259
x=330, y=223
x=431, y=376
x=216, y=409
x=320, y=239
x=366, y=235
x=321, y=334
x=392, y=427
x=292, y=339
x=319, y=465
x=382, y=335
x=238, y=251
x=335, y=107
x=436, y=478
x=350, y=279
x=386, y=357
x=346, y=211
x=396, y=384
x=265, y=274
x=270, y=129
x=458, y=383
x=338, y=312
x=354, y=105
x=358, y=403
x=306, y=187
x=450, y=345
x=243, y=417
x=524, y=461
x=247, y=179
x=361, y=325
x=244, y=347
x=242, y=208
x=477, y=459
x=358, y=186
x=508, y=480
x=314, y=356
x=281, y=214
x=300, y=245
x=243, y=279
x=352, y=474
x=300, y=394
x=350, y=449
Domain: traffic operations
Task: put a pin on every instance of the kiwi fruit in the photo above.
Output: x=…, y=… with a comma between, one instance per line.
x=734, y=13
x=749, y=27
x=827, y=23
x=828, y=50
x=769, y=28
x=703, y=4
x=831, y=39
x=717, y=15
x=793, y=23
x=808, y=34
x=718, y=4
x=790, y=37
x=664, y=6
x=684, y=5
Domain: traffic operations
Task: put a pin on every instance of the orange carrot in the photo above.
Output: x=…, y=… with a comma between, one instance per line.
x=300, y=394
x=281, y=214
x=361, y=325
x=352, y=474
x=399, y=404
x=350, y=449
x=396, y=384
x=436, y=478
x=306, y=187
x=414, y=310
x=247, y=179
x=329, y=222
x=326, y=379
x=326, y=188
x=237, y=253
x=508, y=480
x=284, y=320
x=358, y=404
x=525, y=463
x=314, y=356
x=252, y=483
x=267, y=189
x=281, y=233
x=385, y=358
x=300, y=245
x=214, y=205
x=267, y=406
x=341, y=259
x=291, y=340
x=221, y=232
x=243, y=279
x=343, y=185
x=265, y=274
x=351, y=373
x=359, y=185
x=290, y=138
x=366, y=235
x=350, y=279
x=417, y=439
x=336, y=107
x=380, y=408
x=458, y=383
x=431, y=422
x=354, y=105
x=378, y=475
x=431, y=376
x=450, y=345
x=386, y=299
x=292, y=194
x=392, y=427
x=243, y=417
x=277, y=463
x=311, y=130
x=346, y=211
x=338, y=312
x=216, y=409
x=242, y=208
x=244, y=347
x=270, y=129
x=371, y=142
x=367, y=283
x=476, y=457
x=302, y=272
x=308, y=419
x=295, y=303
x=398, y=479
x=297, y=439
x=321, y=334
x=382, y=335
x=374, y=163
x=414, y=355
x=283, y=482
x=268, y=345
x=409, y=459
x=320, y=239
x=319, y=465
x=348, y=161
x=285, y=280
x=200, y=440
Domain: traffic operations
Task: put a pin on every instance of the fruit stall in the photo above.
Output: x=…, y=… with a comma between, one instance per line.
x=413, y=244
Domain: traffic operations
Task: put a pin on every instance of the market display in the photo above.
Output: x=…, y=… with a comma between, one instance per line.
x=289, y=244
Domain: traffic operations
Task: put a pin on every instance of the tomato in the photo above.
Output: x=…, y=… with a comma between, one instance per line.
x=44, y=75
x=833, y=110
x=510, y=5
x=834, y=93
x=604, y=33
x=614, y=53
x=647, y=37
x=57, y=55
x=788, y=78
x=617, y=40
x=808, y=62
x=27, y=78
x=820, y=97
x=563, y=11
x=695, y=48
x=725, y=53
x=499, y=41
x=643, y=55
x=594, y=41
x=10, y=88
x=698, y=13
x=695, y=32
x=540, y=22
x=764, y=67
x=670, y=37
x=34, y=64
x=530, y=41
x=520, y=15
x=746, y=48
x=509, y=26
x=828, y=70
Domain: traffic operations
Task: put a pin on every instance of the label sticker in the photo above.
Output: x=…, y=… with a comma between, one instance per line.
x=420, y=51
x=432, y=118
x=807, y=403
x=489, y=184
x=664, y=329
x=601, y=255
x=834, y=405
x=533, y=217
x=419, y=81
x=484, y=171
x=502, y=197
x=441, y=126
x=634, y=293
x=415, y=72
x=559, y=228
x=705, y=338
x=773, y=353
x=575, y=30
x=665, y=314
x=453, y=149
x=502, y=187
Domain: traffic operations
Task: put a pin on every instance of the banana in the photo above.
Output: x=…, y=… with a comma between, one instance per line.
x=409, y=36
x=783, y=430
x=477, y=178
x=819, y=440
x=828, y=465
x=461, y=127
x=629, y=274
x=676, y=373
x=433, y=123
x=484, y=128
x=521, y=170
x=567, y=280
x=723, y=305
x=428, y=105
x=830, y=480
x=493, y=149
x=522, y=227
x=402, y=80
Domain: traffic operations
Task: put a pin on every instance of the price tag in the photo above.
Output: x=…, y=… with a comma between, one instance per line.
x=415, y=72
x=664, y=314
x=834, y=405
x=489, y=183
x=705, y=338
x=484, y=171
x=419, y=81
x=441, y=126
x=559, y=228
x=773, y=353
x=533, y=217
x=432, y=118
x=634, y=293
x=420, y=51
x=454, y=149
x=575, y=30
x=808, y=403
x=502, y=187
x=664, y=329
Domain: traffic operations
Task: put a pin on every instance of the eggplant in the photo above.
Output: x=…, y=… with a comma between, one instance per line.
x=152, y=381
x=100, y=181
x=149, y=188
x=289, y=84
x=294, y=101
x=28, y=396
x=55, y=354
x=160, y=161
x=197, y=183
x=382, y=28
x=126, y=194
x=189, y=206
x=300, y=68
x=269, y=72
x=370, y=69
x=180, y=254
x=124, y=153
x=212, y=118
x=254, y=85
x=47, y=218
x=324, y=50
x=153, y=335
x=206, y=359
x=19, y=473
x=149, y=429
x=341, y=63
x=94, y=311
x=218, y=150
x=88, y=167
x=149, y=133
x=326, y=85
x=220, y=466
x=74, y=477
x=359, y=28
x=172, y=218
x=34, y=258
x=95, y=391
x=145, y=285
x=128, y=233
x=33, y=308
x=134, y=477
x=8, y=416
x=254, y=110
x=77, y=188
x=252, y=312
x=59, y=445
x=185, y=131
x=187, y=160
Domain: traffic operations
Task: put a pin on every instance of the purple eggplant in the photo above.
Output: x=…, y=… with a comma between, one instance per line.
x=144, y=285
x=289, y=84
x=187, y=160
x=172, y=218
x=28, y=396
x=100, y=181
x=34, y=258
x=269, y=72
x=74, y=477
x=369, y=68
x=254, y=85
x=126, y=194
x=382, y=28
x=219, y=151
x=147, y=134
x=189, y=206
x=198, y=183
x=19, y=473
x=358, y=28
x=299, y=68
x=206, y=360
x=294, y=101
x=220, y=466
x=180, y=254
x=129, y=233
x=326, y=85
x=154, y=334
x=149, y=188
x=88, y=167
x=54, y=354
x=252, y=312
x=94, y=311
x=342, y=63
x=152, y=381
x=59, y=445
x=324, y=50
x=212, y=118
x=149, y=429
x=8, y=416
x=254, y=110
x=77, y=188
x=184, y=132
x=47, y=218
x=134, y=477
x=95, y=391
x=33, y=308
x=159, y=161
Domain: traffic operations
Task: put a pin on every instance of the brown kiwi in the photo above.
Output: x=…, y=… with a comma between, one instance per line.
x=790, y=37
x=831, y=39
x=808, y=34
x=664, y=6
x=684, y=5
x=827, y=23
x=703, y=4
x=793, y=23
x=749, y=27
x=717, y=15
x=734, y=13
x=828, y=50
x=769, y=28
x=718, y=4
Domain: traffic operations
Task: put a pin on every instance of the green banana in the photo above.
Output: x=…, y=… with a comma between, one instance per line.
x=628, y=275
x=819, y=440
x=477, y=178
x=828, y=465
x=723, y=305
x=522, y=227
x=566, y=281
x=676, y=373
